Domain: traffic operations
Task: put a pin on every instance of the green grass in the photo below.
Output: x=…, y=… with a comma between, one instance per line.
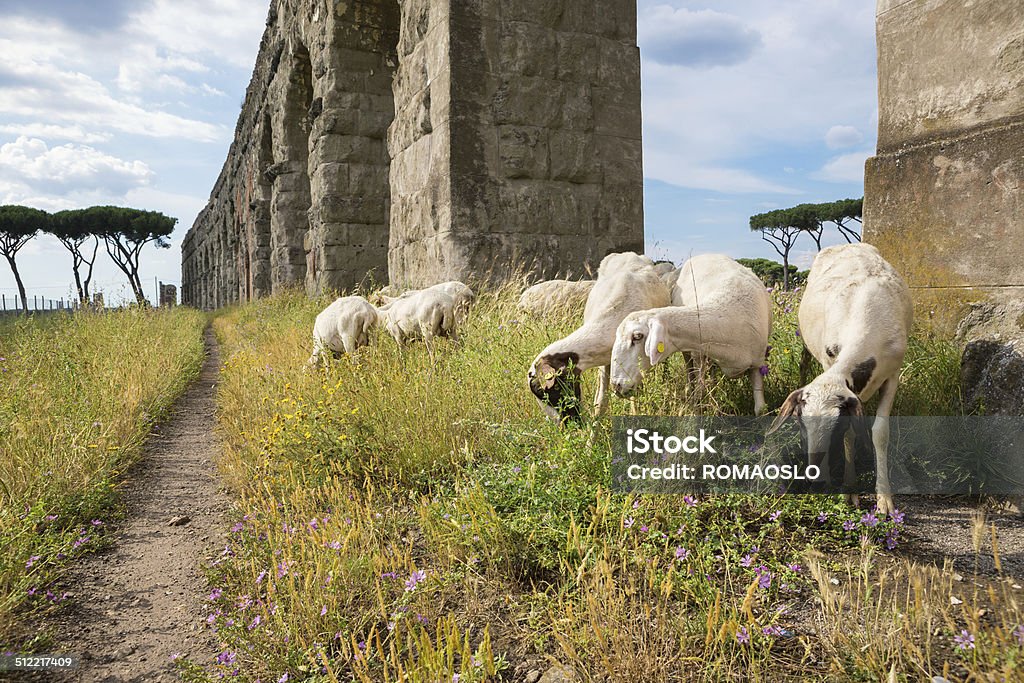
x=399, y=519
x=78, y=394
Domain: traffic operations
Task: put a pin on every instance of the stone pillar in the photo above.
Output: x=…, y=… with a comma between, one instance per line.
x=943, y=196
x=516, y=142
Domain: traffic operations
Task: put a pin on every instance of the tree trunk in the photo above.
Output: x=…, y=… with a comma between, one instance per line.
x=785, y=271
x=21, y=285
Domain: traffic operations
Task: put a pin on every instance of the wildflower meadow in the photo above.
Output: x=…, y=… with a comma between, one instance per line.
x=400, y=518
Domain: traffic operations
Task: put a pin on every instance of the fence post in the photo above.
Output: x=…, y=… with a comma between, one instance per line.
x=35, y=302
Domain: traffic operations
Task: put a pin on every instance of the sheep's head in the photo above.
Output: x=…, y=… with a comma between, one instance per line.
x=640, y=342
x=555, y=381
x=825, y=411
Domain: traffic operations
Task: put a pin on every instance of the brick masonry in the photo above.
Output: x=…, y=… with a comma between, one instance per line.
x=422, y=141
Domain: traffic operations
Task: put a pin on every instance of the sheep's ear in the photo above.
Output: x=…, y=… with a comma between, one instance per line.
x=546, y=375
x=792, y=406
x=657, y=341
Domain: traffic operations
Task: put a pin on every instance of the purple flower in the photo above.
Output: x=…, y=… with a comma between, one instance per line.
x=389, y=575
x=226, y=657
x=262, y=575
x=628, y=523
x=254, y=623
x=644, y=528
x=743, y=636
x=794, y=567
x=517, y=469
x=97, y=522
x=282, y=568
x=822, y=517
x=764, y=580
x=414, y=579
x=1018, y=633
x=897, y=516
x=323, y=611
x=773, y=631
x=964, y=641
x=690, y=501
x=682, y=553
x=31, y=561
x=763, y=370
x=215, y=594
x=283, y=678
x=774, y=516
x=238, y=526
x=869, y=519
x=746, y=560
x=849, y=525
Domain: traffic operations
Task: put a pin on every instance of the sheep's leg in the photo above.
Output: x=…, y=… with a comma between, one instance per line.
x=849, y=471
x=758, y=383
x=880, y=439
x=702, y=389
x=805, y=364
x=601, y=396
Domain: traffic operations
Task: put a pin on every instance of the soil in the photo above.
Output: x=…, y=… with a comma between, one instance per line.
x=136, y=605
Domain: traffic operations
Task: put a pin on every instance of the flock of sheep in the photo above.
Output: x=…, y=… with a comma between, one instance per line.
x=855, y=317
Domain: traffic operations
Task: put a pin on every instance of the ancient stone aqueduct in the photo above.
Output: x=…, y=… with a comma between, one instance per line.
x=425, y=140
x=422, y=140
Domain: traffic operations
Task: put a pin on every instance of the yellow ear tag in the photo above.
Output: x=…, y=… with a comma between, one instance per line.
x=661, y=347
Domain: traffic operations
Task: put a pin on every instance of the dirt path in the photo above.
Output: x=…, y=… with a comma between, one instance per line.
x=135, y=605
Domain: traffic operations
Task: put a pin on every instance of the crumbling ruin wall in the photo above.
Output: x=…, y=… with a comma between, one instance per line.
x=425, y=140
x=943, y=195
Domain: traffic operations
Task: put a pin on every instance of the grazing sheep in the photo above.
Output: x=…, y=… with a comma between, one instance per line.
x=855, y=317
x=627, y=285
x=342, y=327
x=544, y=298
x=626, y=260
x=723, y=314
x=461, y=293
x=425, y=314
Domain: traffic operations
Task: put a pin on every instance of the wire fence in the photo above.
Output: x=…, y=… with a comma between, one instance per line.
x=11, y=303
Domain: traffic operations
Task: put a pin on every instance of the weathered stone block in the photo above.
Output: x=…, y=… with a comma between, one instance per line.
x=524, y=151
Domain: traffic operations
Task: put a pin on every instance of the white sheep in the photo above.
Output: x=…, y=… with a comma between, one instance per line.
x=721, y=312
x=855, y=318
x=551, y=296
x=342, y=327
x=425, y=314
x=626, y=285
x=460, y=292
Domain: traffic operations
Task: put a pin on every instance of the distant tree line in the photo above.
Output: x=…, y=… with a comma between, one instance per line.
x=771, y=272
x=781, y=227
x=123, y=231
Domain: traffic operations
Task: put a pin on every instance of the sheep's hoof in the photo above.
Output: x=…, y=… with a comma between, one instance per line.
x=885, y=504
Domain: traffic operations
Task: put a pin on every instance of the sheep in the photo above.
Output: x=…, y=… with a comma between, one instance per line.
x=626, y=285
x=425, y=314
x=626, y=260
x=342, y=327
x=855, y=318
x=721, y=312
x=546, y=297
x=461, y=293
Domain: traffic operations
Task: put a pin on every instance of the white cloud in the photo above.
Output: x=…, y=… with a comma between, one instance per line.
x=222, y=29
x=51, y=132
x=671, y=169
x=696, y=38
x=29, y=169
x=843, y=136
x=39, y=90
x=844, y=168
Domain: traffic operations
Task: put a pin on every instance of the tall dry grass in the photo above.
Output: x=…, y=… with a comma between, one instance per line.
x=78, y=395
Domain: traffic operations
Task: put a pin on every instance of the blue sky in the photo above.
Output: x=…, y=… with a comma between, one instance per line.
x=747, y=105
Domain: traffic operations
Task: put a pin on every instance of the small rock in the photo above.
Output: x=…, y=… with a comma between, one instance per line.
x=180, y=520
x=559, y=674
x=532, y=676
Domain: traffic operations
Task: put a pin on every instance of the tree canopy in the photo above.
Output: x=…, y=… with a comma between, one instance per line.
x=19, y=224
x=771, y=273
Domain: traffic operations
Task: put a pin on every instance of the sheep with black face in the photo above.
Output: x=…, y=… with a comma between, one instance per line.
x=626, y=282
x=855, y=318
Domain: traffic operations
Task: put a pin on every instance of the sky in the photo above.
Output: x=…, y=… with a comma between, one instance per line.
x=747, y=106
